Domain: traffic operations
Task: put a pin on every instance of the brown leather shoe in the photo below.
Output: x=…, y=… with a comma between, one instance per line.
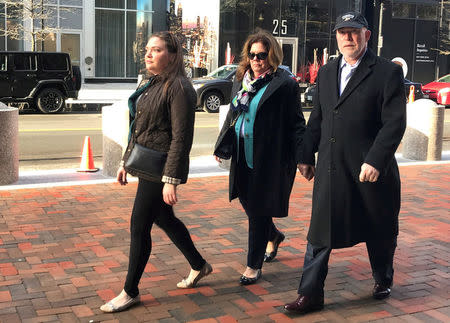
x=304, y=304
x=380, y=291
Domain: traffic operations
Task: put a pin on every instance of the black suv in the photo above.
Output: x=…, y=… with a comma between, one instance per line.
x=39, y=79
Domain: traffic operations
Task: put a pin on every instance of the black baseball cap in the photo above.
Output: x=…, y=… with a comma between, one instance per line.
x=350, y=19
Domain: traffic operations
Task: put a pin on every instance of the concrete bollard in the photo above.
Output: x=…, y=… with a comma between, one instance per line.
x=424, y=131
x=9, y=144
x=115, y=125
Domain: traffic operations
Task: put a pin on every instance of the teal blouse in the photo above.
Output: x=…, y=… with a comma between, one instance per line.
x=248, y=118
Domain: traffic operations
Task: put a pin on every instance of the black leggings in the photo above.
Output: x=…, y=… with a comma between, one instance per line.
x=149, y=208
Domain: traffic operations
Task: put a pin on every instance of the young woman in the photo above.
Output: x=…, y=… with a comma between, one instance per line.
x=162, y=113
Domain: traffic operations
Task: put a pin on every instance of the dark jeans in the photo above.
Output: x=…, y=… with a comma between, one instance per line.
x=315, y=268
x=261, y=229
x=149, y=208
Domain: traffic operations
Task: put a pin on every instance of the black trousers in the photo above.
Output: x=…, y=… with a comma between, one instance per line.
x=149, y=208
x=261, y=229
x=315, y=268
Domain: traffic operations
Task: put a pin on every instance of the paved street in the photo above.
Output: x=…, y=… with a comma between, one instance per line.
x=63, y=252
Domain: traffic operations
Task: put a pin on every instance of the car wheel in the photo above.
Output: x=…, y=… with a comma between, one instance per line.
x=212, y=102
x=50, y=101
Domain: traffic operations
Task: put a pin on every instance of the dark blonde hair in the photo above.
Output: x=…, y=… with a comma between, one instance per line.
x=176, y=66
x=274, y=58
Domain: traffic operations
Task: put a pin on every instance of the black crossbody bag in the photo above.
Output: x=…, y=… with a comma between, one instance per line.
x=147, y=161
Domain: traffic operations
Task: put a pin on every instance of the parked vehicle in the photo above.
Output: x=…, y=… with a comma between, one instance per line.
x=214, y=89
x=431, y=89
x=38, y=79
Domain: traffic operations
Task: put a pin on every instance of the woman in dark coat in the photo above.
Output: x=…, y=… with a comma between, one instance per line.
x=269, y=130
x=162, y=113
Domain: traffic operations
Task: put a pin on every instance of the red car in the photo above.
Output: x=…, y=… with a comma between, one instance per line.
x=431, y=90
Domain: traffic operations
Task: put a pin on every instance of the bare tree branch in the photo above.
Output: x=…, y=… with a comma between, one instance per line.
x=30, y=20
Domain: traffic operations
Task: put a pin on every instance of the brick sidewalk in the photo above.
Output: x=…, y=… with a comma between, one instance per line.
x=63, y=252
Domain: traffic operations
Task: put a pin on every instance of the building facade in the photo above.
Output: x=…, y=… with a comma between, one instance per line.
x=408, y=29
x=107, y=38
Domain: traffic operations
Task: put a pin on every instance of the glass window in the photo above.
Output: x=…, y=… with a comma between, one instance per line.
x=48, y=44
x=2, y=25
x=131, y=4
x=223, y=71
x=71, y=2
x=110, y=4
x=138, y=30
x=3, y=62
x=38, y=2
x=49, y=20
x=403, y=10
x=318, y=18
x=145, y=5
x=54, y=62
x=16, y=18
x=267, y=16
x=70, y=43
x=71, y=18
x=25, y=62
x=109, y=43
x=427, y=12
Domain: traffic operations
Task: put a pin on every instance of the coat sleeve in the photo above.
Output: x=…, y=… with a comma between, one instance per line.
x=311, y=138
x=181, y=102
x=296, y=120
x=393, y=121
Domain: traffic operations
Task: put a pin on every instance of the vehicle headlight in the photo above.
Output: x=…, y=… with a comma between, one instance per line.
x=198, y=85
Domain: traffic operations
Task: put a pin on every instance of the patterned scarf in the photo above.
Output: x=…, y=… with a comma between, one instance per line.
x=249, y=89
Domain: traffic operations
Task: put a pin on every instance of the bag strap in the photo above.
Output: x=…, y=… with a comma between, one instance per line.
x=233, y=123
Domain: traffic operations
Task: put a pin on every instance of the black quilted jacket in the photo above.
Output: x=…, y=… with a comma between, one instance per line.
x=165, y=123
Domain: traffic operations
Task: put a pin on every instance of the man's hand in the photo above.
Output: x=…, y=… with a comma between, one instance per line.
x=368, y=173
x=219, y=160
x=308, y=171
x=170, y=194
x=122, y=176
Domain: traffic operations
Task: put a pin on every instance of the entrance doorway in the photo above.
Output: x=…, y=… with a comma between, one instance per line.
x=289, y=45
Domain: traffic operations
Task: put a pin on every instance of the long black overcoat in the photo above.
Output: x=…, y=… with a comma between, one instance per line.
x=363, y=125
x=278, y=132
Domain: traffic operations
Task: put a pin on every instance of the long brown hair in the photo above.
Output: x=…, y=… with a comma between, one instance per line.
x=175, y=67
x=274, y=58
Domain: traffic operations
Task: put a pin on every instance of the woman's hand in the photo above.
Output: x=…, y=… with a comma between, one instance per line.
x=170, y=194
x=122, y=176
x=217, y=159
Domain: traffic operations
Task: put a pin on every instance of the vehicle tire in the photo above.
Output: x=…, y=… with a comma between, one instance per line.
x=50, y=100
x=212, y=102
x=77, y=74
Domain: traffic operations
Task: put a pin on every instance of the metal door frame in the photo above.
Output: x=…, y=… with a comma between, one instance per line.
x=294, y=42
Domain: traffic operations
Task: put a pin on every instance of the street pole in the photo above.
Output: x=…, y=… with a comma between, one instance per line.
x=380, y=29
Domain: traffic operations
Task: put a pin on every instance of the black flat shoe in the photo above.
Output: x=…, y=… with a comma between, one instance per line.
x=269, y=256
x=248, y=281
x=380, y=291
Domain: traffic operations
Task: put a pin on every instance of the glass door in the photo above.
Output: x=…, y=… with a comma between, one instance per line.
x=70, y=43
x=290, y=51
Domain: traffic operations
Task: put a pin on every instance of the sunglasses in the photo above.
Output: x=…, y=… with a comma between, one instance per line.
x=261, y=56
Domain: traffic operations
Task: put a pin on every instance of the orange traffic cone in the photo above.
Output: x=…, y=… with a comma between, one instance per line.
x=87, y=160
x=411, y=96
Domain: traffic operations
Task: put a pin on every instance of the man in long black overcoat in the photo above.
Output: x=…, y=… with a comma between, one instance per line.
x=356, y=125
